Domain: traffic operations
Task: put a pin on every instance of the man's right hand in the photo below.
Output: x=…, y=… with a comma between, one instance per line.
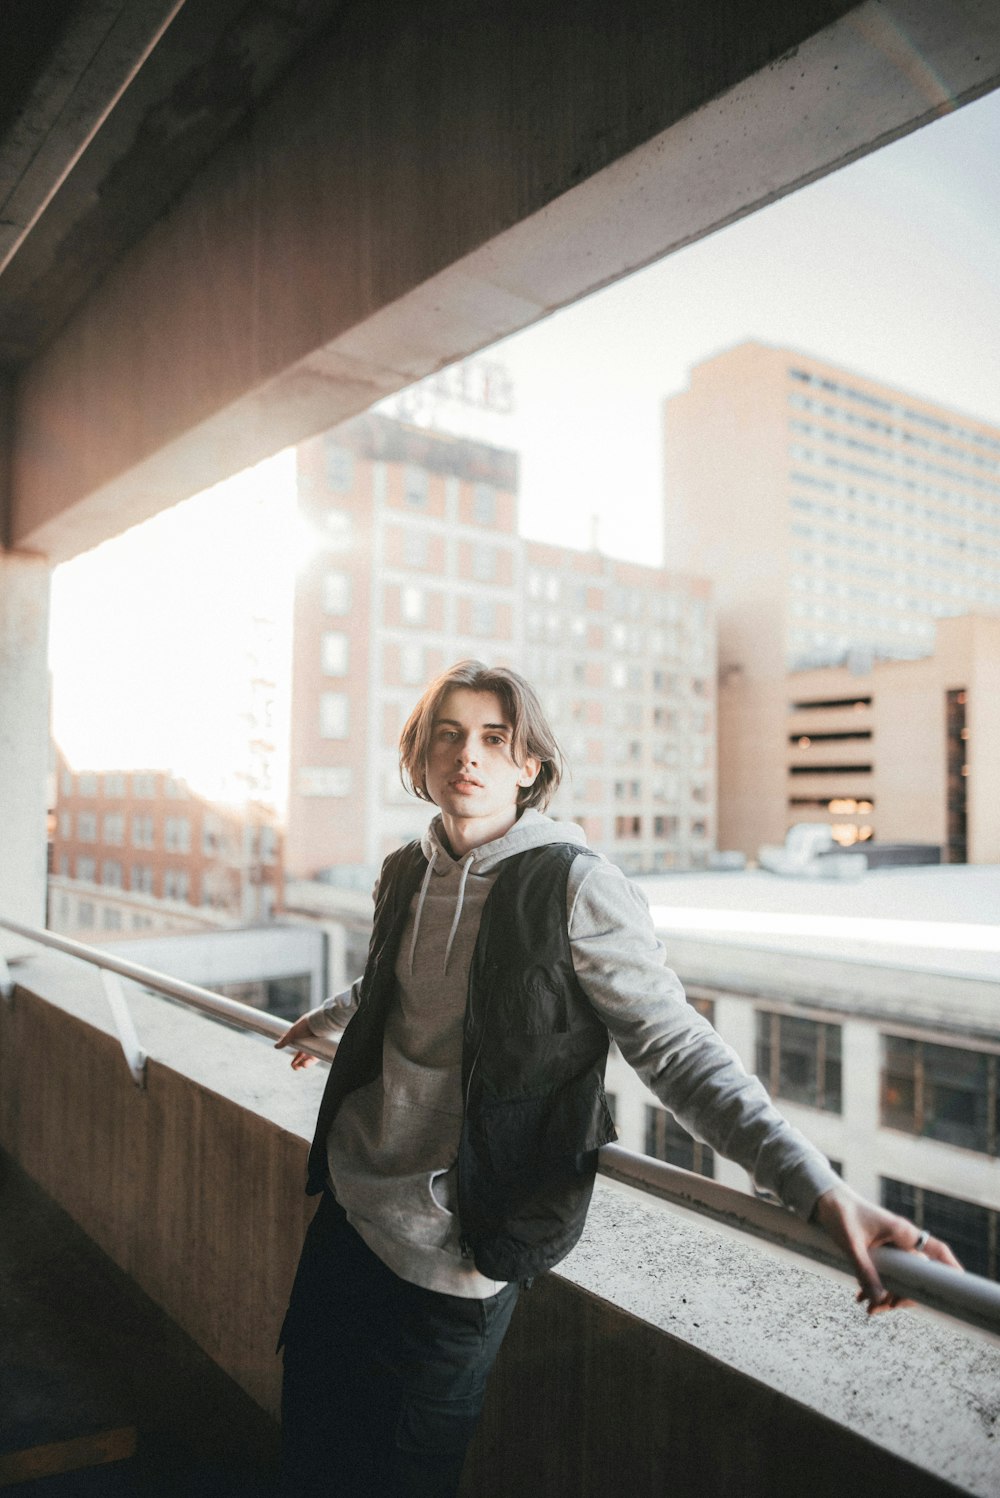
x=292, y=1036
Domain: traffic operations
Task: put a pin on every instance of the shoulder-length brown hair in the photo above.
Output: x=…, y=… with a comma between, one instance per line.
x=531, y=735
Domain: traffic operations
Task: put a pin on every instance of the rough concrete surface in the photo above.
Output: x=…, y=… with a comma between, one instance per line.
x=194, y=1187
x=906, y=1381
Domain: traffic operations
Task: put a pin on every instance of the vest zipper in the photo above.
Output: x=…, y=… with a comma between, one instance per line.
x=465, y=1242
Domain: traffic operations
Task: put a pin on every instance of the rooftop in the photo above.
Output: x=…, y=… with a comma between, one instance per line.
x=933, y=920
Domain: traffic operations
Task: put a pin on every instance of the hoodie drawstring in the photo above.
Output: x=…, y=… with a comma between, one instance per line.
x=420, y=908
x=466, y=866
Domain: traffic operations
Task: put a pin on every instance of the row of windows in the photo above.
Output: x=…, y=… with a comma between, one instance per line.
x=340, y=476
x=821, y=459
x=935, y=1091
x=980, y=439
x=897, y=433
x=176, y=882
x=844, y=516
x=112, y=919
x=627, y=828
x=922, y=580
x=114, y=784
x=176, y=830
x=889, y=455
x=662, y=607
x=900, y=555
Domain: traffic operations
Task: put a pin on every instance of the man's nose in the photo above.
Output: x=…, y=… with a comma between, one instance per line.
x=466, y=752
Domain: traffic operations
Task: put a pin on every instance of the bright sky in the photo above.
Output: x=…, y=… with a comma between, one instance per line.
x=887, y=267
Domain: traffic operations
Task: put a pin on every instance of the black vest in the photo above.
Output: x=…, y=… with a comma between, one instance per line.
x=533, y=1059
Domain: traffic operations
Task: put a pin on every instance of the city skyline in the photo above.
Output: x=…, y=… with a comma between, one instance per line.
x=591, y=447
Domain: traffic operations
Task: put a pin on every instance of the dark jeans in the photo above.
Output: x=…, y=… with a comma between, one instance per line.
x=383, y=1381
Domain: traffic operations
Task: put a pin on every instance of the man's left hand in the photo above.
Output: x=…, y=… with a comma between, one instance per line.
x=858, y=1226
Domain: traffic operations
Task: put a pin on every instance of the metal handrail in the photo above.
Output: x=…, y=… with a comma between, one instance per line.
x=963, y=1297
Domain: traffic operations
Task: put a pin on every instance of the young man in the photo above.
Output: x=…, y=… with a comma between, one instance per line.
x=458, y=1133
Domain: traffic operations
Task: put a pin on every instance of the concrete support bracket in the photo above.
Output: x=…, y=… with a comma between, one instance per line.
x=135, y=1056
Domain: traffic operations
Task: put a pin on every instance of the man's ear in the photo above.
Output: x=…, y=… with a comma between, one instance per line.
x=529, y=772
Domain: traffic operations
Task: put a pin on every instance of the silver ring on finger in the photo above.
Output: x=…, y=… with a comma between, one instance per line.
x=923, y=1238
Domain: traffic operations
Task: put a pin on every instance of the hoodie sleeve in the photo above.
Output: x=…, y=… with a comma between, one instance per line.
x=621, y=966
x=331, y=1017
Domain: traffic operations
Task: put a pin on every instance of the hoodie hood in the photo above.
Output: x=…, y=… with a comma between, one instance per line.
x=531, y=830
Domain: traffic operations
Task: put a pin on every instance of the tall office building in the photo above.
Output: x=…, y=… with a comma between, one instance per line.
x=417, y=562
x=838, y=519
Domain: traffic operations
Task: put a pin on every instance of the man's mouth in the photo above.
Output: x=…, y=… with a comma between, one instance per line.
x=465, y=783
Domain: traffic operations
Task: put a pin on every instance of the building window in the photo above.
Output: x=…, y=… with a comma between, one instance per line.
x=176, y=884
x=416, y=548
x=411, y=664
x=628, y=827
x=66, y=824
x=941, y=1092
x=144, y=785
x=88, y=785
x=333, y=653
x=66, y=782
x=114, y=829
x=484, y=562
x=957, y=735
x=799, y=1059
x=85, y=913
x=111, y=873
x=174, y=788
x=338, y=527
x=415, y=487
x=141, y=879
x=412, y=603
x=114, y=784
x=339, y=468
x=86, y=827
x=972, y=1231
x=64, y=864
x=335, y=597
x=667, y=1140
x=142, y=832
x=86, y=868
x=112, y=918
x=666, y=827
x=333, y=715
x=177, y=835
x=484, y=617
x=484, y=504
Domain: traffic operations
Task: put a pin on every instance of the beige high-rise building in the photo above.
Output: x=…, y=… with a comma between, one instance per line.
x=839, y=519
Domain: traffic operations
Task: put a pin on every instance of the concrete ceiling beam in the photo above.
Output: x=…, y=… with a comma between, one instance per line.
x=420, y=187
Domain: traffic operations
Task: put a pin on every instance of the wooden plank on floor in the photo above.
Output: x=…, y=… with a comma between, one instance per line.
x=74, y=1455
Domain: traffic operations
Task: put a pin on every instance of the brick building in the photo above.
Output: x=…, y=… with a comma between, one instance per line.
x=417, y=562
x=139, y=850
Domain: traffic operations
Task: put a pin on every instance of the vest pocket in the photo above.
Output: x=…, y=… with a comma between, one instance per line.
x=520, y=1133
x=531, y=1004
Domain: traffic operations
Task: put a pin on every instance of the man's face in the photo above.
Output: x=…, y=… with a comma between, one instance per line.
x=470, y=772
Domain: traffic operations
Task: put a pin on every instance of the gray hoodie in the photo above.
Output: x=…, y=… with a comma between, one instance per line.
x=393, y=1146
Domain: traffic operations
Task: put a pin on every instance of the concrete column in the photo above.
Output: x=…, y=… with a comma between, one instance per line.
x=24, y=737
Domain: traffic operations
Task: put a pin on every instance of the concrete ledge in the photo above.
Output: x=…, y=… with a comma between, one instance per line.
x=662, y=1348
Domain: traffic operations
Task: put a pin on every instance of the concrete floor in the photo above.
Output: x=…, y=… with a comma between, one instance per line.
x=84, y=1351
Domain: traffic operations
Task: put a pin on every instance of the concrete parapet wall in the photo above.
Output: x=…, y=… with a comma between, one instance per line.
x=664, y=1355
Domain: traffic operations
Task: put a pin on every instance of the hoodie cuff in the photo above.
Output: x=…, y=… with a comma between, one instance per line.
x=806, y=1182
x=332, y=1015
